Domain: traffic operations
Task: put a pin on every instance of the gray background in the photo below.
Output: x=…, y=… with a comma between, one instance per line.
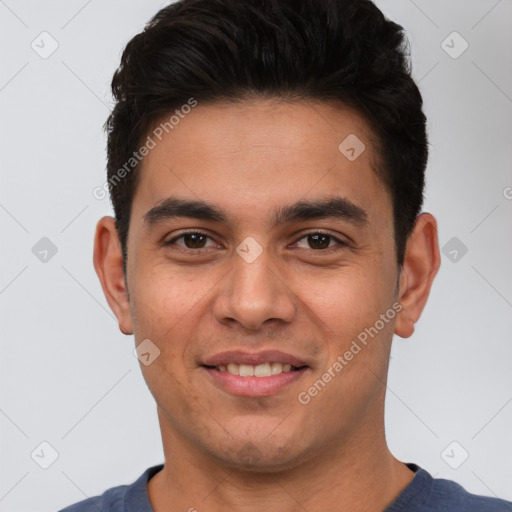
x=68, y=376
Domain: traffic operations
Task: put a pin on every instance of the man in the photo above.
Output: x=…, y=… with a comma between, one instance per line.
x=266, y=165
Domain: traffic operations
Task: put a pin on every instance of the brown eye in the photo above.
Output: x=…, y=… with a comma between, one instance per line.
x=192, y=240
x=321, y=242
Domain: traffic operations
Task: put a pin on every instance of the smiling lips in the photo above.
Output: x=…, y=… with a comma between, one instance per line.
x=254, y=374
x=260, y=370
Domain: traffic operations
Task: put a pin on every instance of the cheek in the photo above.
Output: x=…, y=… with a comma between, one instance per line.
x=171, y=308
x=347, y=308
x=161, y=299
x=341, y=302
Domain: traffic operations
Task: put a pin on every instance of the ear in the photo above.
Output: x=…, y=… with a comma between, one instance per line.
x=108, y=263
x=421, y=263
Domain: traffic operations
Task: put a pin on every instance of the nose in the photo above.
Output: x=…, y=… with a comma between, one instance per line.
x=254, y=294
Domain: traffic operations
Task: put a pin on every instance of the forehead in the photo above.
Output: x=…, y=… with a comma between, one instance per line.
x=253, y=157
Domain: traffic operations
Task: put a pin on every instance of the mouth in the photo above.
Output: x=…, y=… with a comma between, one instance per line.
x=254, y=374
x=260, y=370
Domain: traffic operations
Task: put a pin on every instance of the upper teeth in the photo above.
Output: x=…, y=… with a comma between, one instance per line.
x=260, y=370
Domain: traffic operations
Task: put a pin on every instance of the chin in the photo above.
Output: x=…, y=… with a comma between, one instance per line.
x=262, y=456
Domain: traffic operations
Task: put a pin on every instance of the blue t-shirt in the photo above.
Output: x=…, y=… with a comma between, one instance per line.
x=422, y=494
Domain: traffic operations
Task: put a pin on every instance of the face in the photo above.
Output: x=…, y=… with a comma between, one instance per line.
x=255, y=241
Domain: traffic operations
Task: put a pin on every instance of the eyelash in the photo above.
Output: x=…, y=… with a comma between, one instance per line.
x=341, y=243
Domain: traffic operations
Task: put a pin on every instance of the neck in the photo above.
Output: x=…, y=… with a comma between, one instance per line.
x=359, y=474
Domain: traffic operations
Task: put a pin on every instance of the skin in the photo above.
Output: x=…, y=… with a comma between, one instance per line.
x=225, y=452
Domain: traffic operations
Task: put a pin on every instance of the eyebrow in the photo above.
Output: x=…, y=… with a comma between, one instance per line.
x=334, y=207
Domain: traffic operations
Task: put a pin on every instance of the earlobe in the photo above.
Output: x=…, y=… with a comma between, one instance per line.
x=421, y=264
x=108, y=263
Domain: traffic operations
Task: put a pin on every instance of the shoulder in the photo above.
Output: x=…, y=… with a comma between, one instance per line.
x=112, y=499
x=123, y=498
x=447, y=495
x=428, y=494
